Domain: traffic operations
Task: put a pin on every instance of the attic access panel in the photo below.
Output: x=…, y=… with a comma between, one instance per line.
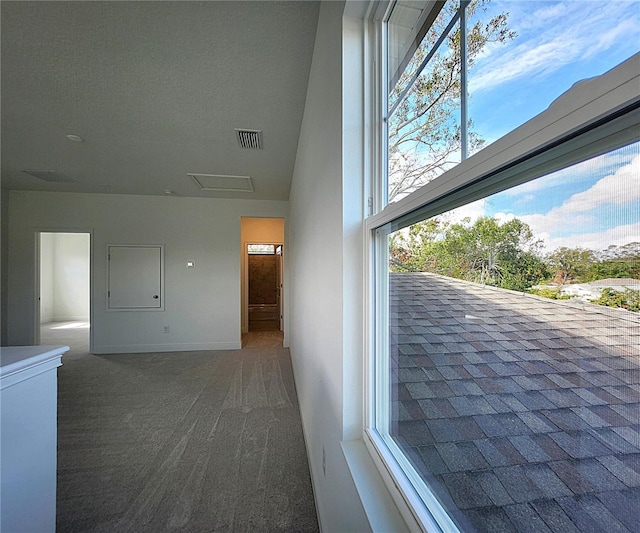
x=51, y=176
x=219, y=182
x=136, y=277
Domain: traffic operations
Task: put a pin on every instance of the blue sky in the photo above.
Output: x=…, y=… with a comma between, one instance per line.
x=557, y=44
x=594, y=204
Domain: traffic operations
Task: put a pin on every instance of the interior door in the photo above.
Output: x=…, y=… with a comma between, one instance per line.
x=279, y=287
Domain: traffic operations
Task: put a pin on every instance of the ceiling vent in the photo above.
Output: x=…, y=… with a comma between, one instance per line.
x=251, y=139
x=215, y=182
x=49, y=175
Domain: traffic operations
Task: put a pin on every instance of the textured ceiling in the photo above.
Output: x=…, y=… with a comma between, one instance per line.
x=156, y=89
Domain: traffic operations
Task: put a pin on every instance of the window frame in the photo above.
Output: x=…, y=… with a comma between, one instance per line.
x=263, y=250
x=591, y=118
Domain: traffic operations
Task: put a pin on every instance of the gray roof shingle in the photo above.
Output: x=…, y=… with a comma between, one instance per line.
x=522, y=411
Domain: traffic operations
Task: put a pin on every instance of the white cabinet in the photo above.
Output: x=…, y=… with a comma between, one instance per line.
x=28, y=437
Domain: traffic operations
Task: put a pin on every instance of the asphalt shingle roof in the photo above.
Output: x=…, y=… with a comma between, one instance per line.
x=520, y=411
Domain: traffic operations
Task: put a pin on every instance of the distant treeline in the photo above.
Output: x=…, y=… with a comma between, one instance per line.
x=507, y=255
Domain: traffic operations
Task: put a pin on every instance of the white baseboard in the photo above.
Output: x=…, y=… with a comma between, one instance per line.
x=178, y=347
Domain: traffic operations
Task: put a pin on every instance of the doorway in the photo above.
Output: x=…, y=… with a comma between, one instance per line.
x=264, y=263
x=263, y=282
x=63, y=306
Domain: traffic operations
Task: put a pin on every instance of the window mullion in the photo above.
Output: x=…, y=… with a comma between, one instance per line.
x=381, y=329
x=424, y=63
x=464, y=117
x=381, y=102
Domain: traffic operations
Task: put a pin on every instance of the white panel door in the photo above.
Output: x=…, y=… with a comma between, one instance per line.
x=135, y=277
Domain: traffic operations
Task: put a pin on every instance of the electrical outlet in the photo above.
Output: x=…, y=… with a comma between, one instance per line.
x=324, y=462
x=166, y=329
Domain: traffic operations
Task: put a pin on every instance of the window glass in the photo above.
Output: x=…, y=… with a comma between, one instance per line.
x=513, y=351
x=543, y=48
x=413, y=30
x=261, y=249
x=424, y=130
x=520, y=56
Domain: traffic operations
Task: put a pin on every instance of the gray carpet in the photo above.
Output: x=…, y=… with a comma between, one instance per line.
x=197, y=441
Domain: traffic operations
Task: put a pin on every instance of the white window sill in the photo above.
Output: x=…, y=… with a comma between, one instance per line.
x=381, y=510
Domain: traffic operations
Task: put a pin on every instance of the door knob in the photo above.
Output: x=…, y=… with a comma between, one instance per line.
x=155, y=297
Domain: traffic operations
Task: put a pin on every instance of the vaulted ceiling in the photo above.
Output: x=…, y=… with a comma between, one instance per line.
x=155, y=90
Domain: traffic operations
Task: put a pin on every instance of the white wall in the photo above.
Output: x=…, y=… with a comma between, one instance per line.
x=321, y=256
x=47, y=275
x=202, y=305
x=71, y=276
x=64, y=277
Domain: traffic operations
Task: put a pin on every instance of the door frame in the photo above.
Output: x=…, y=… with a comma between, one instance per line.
x=245, y=277
x=36, y=292
x=280, y=285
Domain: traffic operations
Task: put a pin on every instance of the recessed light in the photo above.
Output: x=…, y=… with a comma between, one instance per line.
x=169, y=192
x=75, y=138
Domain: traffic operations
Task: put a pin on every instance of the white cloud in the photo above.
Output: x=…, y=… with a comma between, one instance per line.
x=579, y=212
x=621, y=187
x=550, y=37
x=542, y=58
x=473, y=211
x=503, y=218
x=596, y=166
x=618, y=236
x=605, y=40
x=556, y=219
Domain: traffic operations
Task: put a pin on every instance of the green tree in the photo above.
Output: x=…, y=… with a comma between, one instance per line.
x=413, y=249
x=571, y=264
x=630, y=250
x=614, y=268
x=617, y=262
x=504, y=255
x=424, y=133
x=628, y=299
x=485, y=251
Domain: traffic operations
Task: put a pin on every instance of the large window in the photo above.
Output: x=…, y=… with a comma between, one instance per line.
x=460, y=75
x=505, y=370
